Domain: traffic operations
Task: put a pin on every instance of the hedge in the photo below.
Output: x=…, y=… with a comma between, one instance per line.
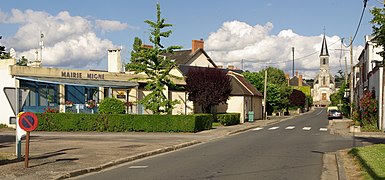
x=123, y=122
x=229, y=119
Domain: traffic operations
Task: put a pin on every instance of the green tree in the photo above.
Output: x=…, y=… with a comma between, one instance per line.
x=378, y=22
x=155, y=65
x=111, y=106
x=338, y=98
x=278, y=90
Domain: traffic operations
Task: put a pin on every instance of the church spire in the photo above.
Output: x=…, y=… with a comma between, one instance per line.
x=324, y=49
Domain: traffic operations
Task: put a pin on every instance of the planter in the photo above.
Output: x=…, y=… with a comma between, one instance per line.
x=355, y=129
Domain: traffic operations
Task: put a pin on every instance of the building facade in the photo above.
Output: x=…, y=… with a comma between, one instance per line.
x=66, y=90
x=368, y=76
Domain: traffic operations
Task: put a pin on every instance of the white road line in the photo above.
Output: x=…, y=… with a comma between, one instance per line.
x=138, y=167
x=323, y=129
x=290, y=127
x=319, y=112
x=273, y=128
x=306, y=128
x=257, y=129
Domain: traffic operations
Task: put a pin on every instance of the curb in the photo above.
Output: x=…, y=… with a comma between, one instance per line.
x=127, y=159
x=340, y=166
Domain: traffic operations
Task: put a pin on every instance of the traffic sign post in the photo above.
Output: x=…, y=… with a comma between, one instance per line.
x=28, y=121
x=16, y=98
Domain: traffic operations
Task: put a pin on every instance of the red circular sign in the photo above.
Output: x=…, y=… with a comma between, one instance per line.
x=28, y=121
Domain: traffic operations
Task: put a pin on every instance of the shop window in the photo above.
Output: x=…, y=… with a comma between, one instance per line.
x=43, y=96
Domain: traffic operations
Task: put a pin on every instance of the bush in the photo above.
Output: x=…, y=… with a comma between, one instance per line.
x=3, y=126
x=229, y=119
x=111, y=106
x=123, y=122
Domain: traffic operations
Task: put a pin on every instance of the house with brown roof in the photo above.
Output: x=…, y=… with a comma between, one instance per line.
x=244, y=97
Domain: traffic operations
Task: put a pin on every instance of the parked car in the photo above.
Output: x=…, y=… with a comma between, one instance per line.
x=334, y=114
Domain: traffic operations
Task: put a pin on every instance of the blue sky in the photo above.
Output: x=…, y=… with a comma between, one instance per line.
x=269, y=28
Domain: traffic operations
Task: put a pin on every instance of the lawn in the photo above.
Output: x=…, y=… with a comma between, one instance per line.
x=372, y=160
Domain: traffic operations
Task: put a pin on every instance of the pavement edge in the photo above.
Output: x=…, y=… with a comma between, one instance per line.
x=126, y=159
x=340, y=166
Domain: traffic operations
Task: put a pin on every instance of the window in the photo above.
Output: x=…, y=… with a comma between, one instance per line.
x=324, y=81
x=323, y=61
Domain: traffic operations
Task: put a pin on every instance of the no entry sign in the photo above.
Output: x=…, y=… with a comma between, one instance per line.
x=28, y=121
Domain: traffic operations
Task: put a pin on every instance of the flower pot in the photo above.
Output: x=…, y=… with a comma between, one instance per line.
x=355, y=129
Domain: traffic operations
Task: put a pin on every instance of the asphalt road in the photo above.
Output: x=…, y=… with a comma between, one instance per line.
x=292, y=149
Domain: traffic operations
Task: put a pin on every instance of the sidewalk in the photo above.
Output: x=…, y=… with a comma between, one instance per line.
x=345, y=164
x=58, y=155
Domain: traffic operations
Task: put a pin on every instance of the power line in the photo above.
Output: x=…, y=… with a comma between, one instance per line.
x=359, y=24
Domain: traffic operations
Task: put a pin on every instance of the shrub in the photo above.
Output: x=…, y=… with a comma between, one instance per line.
x=3, y=126
x=229, y=119
x=369, y=115
x=111, y=106
x=123, y=122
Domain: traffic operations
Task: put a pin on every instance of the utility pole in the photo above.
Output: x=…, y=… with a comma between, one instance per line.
x=346, y=71
x=264, y=97
x=292, y=49
x=351, y=77
x=381, y=126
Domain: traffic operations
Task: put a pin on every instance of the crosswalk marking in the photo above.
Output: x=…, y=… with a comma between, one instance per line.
x=274, y=128
x=137, y=167
x=290, y=127
x=257, y=129
x=306, y=128
x=323, y=129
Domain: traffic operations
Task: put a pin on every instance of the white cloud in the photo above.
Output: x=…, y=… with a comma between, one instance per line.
x=108, y=25
x=69, y=41
x=236, y=41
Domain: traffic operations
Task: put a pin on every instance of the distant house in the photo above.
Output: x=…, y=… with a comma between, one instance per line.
x=297, y=82
x=243, y=99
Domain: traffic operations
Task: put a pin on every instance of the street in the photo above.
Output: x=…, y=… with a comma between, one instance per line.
x=292, y=149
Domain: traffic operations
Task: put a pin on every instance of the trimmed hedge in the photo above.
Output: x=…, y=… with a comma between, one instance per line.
x=229, y=119
x=123, y=122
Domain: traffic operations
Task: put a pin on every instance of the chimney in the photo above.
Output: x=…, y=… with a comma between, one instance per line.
x=300, y=80
x=220, y=66
x=197, y=44
x=230, y=67
x=114, y=61
x=147, y=46
x=296, y=73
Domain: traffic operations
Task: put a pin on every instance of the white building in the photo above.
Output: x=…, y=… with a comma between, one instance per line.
x=324, y=84
x=369, y=76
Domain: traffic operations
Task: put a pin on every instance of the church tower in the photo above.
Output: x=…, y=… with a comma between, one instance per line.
x=324, y=82
x=324, y=74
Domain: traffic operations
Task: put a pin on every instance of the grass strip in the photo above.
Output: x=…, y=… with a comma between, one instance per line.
x=372, y=160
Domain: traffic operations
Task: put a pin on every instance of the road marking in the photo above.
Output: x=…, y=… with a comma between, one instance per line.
x=257, y=129
x=323, y=129
x=138, y=167
x=273, y=128
x=306, y=128
x=290, y=127
x=319, y=112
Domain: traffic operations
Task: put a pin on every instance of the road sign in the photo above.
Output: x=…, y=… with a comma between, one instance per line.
x=13, y=96
x=28, y=121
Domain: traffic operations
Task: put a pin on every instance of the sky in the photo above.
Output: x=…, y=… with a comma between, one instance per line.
x=77, y=34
